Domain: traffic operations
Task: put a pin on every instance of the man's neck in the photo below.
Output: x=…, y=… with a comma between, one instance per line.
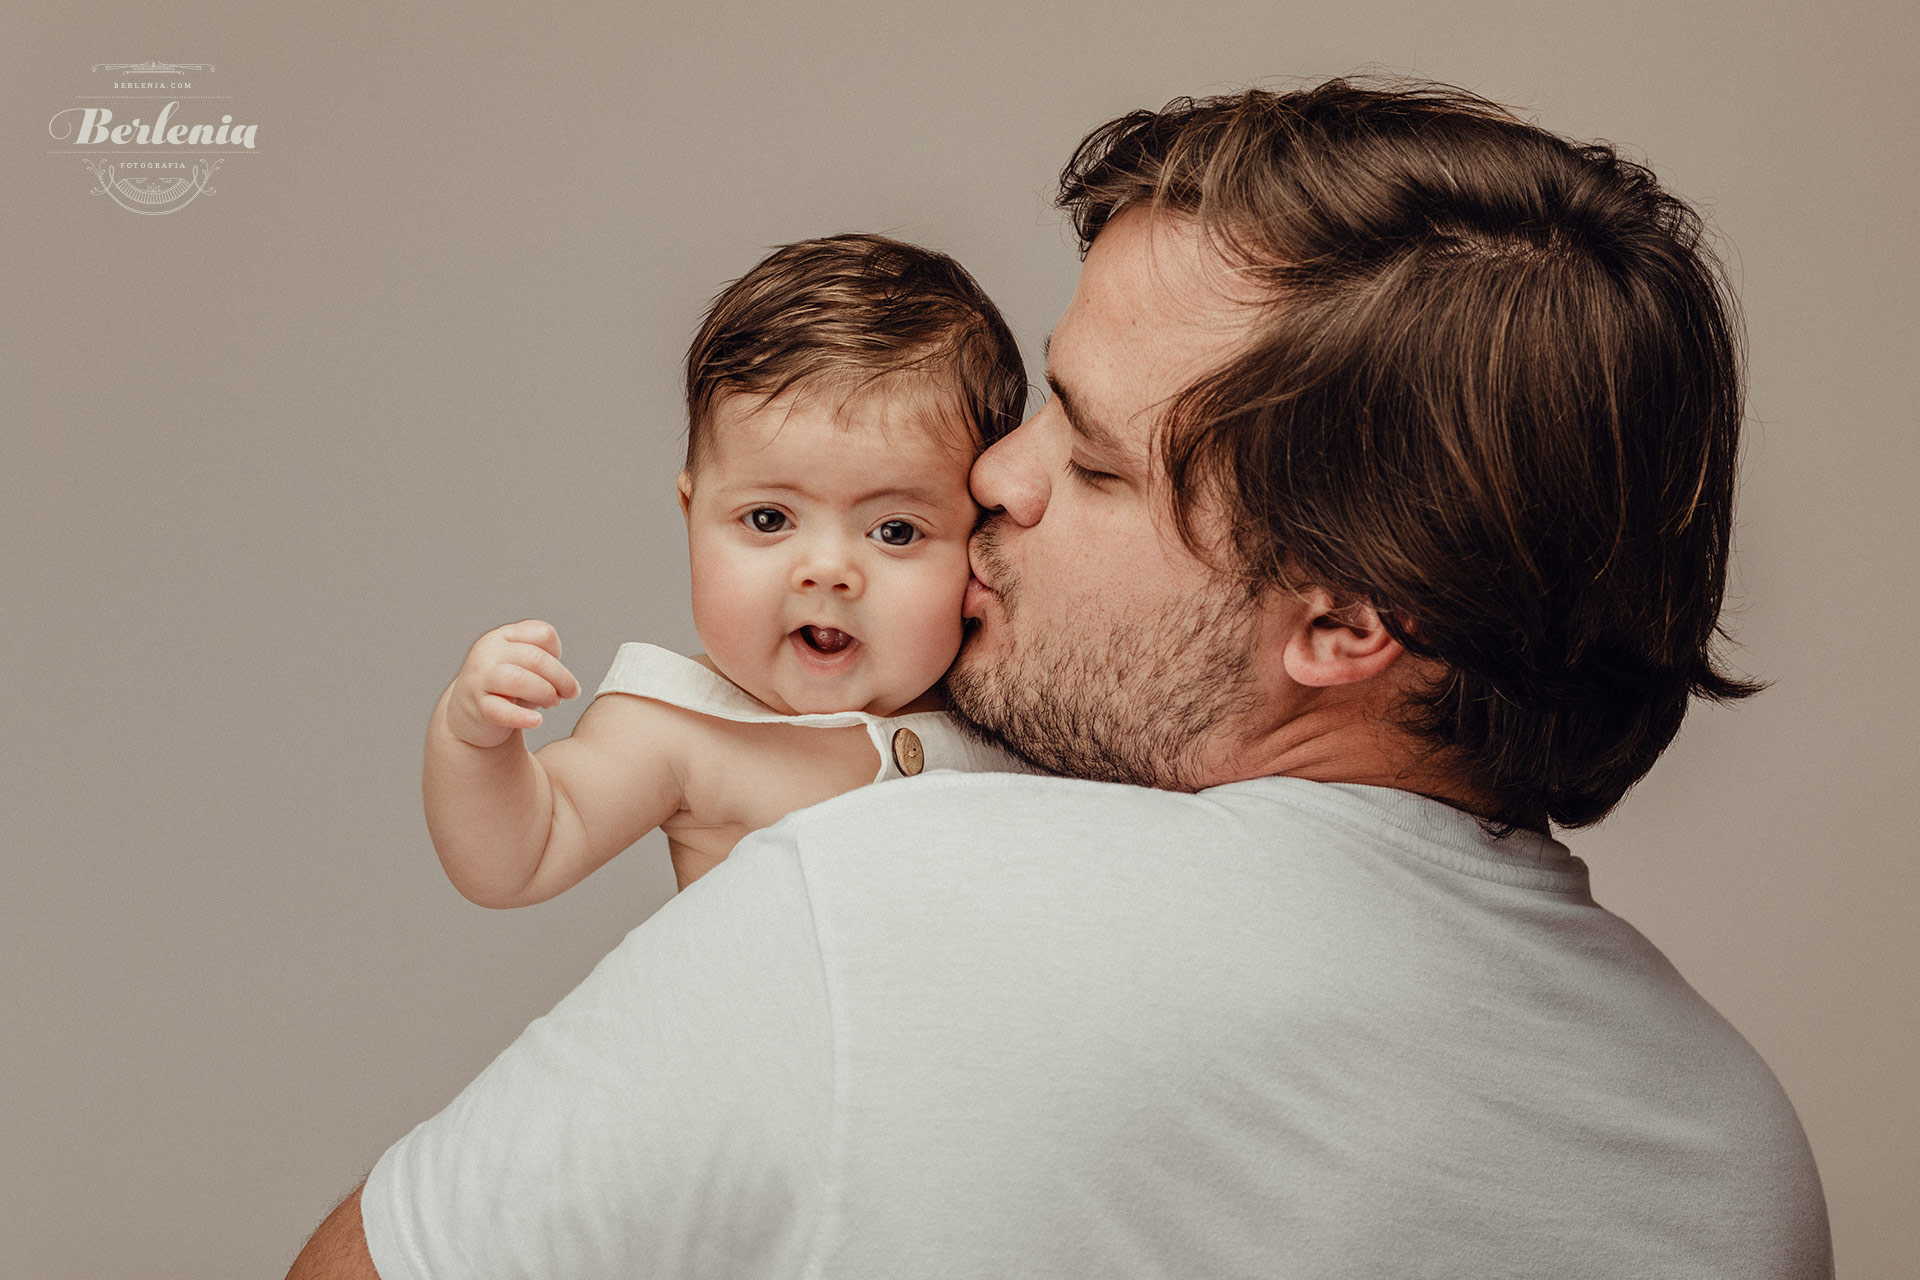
x=1347, y=735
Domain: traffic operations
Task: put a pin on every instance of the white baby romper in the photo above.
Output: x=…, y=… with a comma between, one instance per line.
x=908, y=744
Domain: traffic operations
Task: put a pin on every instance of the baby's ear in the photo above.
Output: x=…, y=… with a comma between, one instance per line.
x=684, y=487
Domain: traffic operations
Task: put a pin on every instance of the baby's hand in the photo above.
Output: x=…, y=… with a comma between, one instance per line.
x=508, y=672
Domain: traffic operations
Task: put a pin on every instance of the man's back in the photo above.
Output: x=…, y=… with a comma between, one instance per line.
x=980, y=1026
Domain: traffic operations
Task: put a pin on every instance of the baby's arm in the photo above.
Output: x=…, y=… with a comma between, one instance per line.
x=513, y=828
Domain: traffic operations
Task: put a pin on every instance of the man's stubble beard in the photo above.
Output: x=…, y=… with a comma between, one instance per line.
x=1138, y=704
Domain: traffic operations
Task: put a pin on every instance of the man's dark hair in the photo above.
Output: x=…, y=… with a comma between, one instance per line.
x=850, y=311
x=1495, y=392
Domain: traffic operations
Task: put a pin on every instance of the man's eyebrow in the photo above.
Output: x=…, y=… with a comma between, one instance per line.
x=1093, y=432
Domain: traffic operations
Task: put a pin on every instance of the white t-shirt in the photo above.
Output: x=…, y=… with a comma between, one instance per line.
x=974, y=1026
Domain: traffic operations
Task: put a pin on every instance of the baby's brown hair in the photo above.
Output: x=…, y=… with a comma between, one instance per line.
x=850, y=311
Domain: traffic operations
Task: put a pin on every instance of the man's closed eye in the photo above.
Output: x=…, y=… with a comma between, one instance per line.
x=1087, y=475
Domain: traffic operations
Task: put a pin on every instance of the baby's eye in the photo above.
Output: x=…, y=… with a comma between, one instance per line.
x=896, y=533
x=766, y=519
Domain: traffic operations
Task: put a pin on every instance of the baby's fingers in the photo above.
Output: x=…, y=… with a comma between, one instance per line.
x=514, y=682
x=534, y=632
x=496, y=710
x=547, y=667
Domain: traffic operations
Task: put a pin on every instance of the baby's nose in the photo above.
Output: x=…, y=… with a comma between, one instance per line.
x=826, y=566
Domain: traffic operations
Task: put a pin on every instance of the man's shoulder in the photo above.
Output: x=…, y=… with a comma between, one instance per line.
x=1010, y=834
x=1313, y=870
x=966, y=808
x=1053, y=836
x=1279, y=817
x=956, y=787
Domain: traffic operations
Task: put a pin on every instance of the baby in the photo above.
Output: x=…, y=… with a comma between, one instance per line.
x=836, y=395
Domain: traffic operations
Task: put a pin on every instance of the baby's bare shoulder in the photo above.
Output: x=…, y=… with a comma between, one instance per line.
x=622, y=740
x=726, y=771
x=618, y=722
x=757, y=774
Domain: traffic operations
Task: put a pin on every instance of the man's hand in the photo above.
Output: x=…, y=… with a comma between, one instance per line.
x=508, y=673
x=337, y=1250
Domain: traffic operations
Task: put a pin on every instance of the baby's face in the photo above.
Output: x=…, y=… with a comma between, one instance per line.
x=829, y=547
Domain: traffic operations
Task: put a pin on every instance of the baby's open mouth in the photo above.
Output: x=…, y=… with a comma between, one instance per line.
x=825, y=639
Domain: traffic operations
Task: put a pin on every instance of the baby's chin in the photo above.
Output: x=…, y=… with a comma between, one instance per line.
x=802, y=697
x=809, y=702
x=781, y=683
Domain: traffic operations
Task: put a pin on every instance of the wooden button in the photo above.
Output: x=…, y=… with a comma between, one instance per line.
x=907, y=753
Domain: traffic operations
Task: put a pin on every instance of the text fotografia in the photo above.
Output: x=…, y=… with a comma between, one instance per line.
x=96, y=128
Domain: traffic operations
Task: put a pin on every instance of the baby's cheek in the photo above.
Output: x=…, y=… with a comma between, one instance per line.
x=932, y=619
x=729, y=604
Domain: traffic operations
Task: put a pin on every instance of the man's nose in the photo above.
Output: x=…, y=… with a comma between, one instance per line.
x=1012, y=476
x=826, y=563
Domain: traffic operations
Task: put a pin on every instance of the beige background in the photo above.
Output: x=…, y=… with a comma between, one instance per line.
x=272, y=462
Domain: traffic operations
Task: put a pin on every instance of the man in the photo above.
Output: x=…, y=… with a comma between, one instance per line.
x=1378, y=521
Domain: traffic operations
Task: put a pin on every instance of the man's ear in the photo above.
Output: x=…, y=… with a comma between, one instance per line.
x=1335, y=642
x=683, y=485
